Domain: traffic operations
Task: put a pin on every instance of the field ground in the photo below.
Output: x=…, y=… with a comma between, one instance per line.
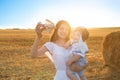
x=16, y=63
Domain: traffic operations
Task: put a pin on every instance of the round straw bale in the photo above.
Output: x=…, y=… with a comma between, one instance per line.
x=111, y=51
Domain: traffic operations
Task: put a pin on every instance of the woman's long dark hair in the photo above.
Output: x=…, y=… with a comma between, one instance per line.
x=55, y=34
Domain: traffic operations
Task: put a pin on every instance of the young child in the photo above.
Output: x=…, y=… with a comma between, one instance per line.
x=78, y=48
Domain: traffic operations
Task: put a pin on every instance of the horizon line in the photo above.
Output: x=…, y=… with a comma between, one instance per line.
x=15, y=28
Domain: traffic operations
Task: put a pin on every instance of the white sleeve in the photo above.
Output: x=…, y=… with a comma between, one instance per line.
x=49, y=46
x=84, y=48
x=81, y=54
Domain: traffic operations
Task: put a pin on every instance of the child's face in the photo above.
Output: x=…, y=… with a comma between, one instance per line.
x=76, y=36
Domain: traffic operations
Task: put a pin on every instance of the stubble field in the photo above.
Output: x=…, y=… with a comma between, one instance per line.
x=17, y=64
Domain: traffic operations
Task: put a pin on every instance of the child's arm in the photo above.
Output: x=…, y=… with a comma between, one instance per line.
x=73, y=59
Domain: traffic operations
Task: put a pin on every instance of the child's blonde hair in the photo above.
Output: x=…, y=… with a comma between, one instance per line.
x=83, y=31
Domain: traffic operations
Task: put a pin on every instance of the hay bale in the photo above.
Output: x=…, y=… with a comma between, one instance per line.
x=111, y=51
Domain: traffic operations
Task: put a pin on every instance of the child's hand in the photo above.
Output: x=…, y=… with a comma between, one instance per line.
x=68, y=63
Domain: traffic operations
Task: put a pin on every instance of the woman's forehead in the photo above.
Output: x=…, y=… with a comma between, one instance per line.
x=64, y=26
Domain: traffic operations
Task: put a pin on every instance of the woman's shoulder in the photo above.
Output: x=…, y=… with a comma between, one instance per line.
x=51, y=43
x=49, y=46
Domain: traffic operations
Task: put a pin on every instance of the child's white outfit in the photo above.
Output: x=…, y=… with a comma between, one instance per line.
x=80, y=48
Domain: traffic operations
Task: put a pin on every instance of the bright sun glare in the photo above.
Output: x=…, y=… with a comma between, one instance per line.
x=91, y=18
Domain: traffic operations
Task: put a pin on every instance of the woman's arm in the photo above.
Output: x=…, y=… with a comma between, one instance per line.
x=77, y=68
x=35, y=52
x=74, y=65
x=73, y=59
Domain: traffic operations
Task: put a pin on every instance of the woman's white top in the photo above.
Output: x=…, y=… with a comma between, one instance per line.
x=59, y=57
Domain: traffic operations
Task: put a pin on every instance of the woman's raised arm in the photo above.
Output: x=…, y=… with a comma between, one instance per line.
x=35, y=52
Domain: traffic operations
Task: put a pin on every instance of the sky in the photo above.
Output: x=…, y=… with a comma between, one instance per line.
x=26, y=14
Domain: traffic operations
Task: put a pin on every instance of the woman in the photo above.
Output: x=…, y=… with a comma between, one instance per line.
x=55, y=47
